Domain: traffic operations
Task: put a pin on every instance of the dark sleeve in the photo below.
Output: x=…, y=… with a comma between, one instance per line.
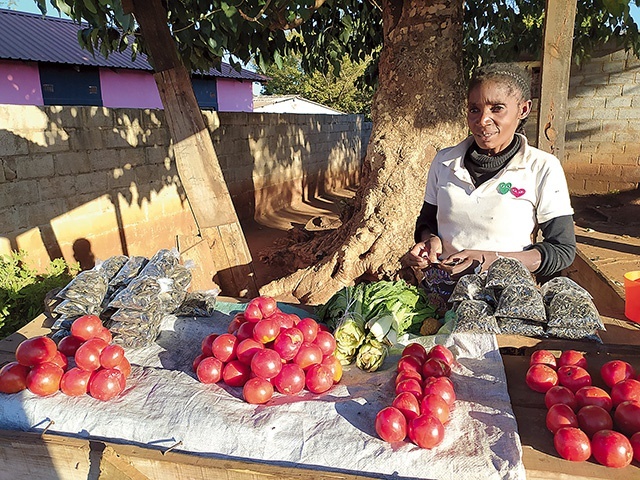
x=558, y=247
x=427, y=220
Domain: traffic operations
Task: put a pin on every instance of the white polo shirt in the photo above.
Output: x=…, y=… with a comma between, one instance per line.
x=501, y=214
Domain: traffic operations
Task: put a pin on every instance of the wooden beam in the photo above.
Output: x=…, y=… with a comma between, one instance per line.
x=559, y=21
x=196, y=160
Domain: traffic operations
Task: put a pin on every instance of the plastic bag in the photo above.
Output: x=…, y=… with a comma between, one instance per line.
x=521, y=301
x=518, y=326
x=111, y=266
x=469, y=287
x=508, y=271
x=161, y=264
x=560, y=284
x=72, y=308
x=574, y=333
x=142, y=293
x=572, y=309
x=89, y=287
x=475, y=316
x=198, y=304
x=128, y=272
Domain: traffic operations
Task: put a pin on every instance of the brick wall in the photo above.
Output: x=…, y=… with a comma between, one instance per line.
x=90, y=181
x=602, y=149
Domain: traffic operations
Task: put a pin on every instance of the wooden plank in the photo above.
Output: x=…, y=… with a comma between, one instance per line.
x=196, y=160
x=556, y=65
x=198, y=250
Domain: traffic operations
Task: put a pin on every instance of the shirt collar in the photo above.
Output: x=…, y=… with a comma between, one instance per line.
x=456, y=162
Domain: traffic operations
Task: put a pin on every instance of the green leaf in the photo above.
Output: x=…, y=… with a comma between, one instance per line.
x=90, y=5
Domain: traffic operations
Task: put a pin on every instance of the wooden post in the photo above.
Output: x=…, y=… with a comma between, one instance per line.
x=559, y=21
x=196, y=159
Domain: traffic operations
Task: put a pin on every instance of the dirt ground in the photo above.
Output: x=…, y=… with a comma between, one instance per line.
x=607, y=230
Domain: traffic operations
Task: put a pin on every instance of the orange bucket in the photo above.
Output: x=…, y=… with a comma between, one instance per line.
x=632, y=295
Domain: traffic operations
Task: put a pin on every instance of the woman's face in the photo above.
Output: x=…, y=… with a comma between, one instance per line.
x=493, y=114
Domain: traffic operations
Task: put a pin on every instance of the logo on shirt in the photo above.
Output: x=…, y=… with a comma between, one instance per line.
x=506, y=187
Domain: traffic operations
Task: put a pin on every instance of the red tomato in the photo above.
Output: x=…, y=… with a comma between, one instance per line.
x=209, y=370
x=592, y=395
x=69, y=345
x=572, y=444
x=408, y=404
x=560, y=415
x=442, y=386
x=111, y=356
x=410, y=385
x=309, y=328
x=13, y=377
x=323, y=327
x=333, y=364
x=294, y=318
x=106, y=383
x=573, y=377
x=540, y=377
x=426, y=431
x=61, y=360
x=233, y=326
x=266, y=330
x=257, y=391
x=635, y=444
x=308, y=355
x=247, y=348
x=205, y=347
x=75, y=382
x=435, y=368
x=625, y=390
x=245, y=331
x=235, y=373
x=290, y=380
x=35, y=350
x=86, y=327
x=391, y=425
x=284, y=320
x=611, y=449
x=543, y=356
x=318, y=378
x=560, y=394
x=572, y=357
x=435, y=405
x=266, y=363
x=405, y=374
x=616, y=371
x=409, y=362
x=326, y=342
x=627, y=418
x=125, y=367
x=266, y=305
x=252, y=312
x=592, y=419
x=44, y=379
x=442, y=353
x=288, y=342
x=104, y=334
x=224, y=347
x=88, y=354
x=416, y=350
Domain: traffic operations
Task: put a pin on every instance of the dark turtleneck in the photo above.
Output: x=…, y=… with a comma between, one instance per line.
x=482, y=167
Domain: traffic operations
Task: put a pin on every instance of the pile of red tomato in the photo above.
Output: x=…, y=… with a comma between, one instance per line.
x=424, y=397
x=42, y=367
x=266, y=350
x=585, y=419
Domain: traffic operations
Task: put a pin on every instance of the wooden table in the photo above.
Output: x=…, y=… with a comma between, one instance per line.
x=34, y=455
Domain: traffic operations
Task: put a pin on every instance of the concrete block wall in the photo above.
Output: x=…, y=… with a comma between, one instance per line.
x=86, y=183
x=602, y=142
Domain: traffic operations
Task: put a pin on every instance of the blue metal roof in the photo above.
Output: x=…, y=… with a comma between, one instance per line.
x=37, y=38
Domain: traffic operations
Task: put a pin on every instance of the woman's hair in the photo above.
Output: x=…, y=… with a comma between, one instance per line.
x=512, y=76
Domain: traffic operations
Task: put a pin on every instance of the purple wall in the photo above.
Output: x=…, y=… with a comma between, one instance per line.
x=235, y=95
x=128, y=89
x=20, y=83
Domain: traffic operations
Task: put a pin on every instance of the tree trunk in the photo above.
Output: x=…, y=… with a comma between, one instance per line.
x=417, y=110
x=198, y=167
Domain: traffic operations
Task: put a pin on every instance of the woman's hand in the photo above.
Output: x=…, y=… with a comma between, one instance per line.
x=425, y=253
x=468, y=261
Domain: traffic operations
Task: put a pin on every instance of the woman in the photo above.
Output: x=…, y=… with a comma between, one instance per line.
x=486, y=196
